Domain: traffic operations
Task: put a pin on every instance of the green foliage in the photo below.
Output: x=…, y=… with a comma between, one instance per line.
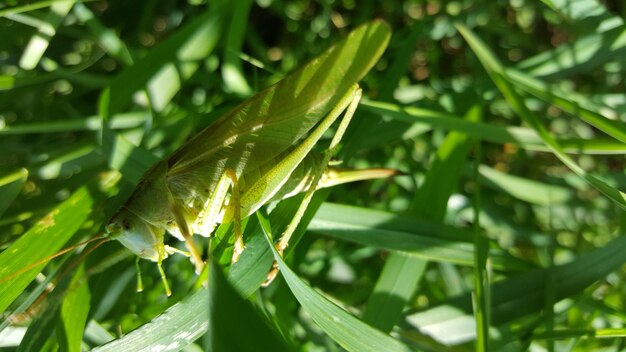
x=506, y=118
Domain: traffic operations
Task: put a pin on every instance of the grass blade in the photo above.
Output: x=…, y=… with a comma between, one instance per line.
x=569, y=102
x=231, y=316
x=47, y=29
x=74, y=312
x=232, y=73
x=519, y=296
x=530, y=191
x=349, y=332
x=524, y=137
x=159, y=70
x=498, y=75
x=177, y=327
x=394, y=288
x=41, y=241
x=388, y=231
x=10, y=187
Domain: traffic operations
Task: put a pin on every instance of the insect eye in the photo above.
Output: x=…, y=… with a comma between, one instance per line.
x=126, y=226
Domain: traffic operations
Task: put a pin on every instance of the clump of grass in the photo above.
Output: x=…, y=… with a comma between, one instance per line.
x=507, y=121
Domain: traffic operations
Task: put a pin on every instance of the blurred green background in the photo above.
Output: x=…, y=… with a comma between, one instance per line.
x=507, y=118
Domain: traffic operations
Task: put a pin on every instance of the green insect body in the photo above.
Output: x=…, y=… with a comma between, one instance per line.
x=259, y=151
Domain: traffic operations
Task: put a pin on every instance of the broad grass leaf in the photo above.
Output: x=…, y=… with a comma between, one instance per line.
x=159, y=70
x=348, y=331
x=39, y=42
x=45, y=238
x=425, y=239
x=499, y=77
x=520, y=295
x=179, y=326
x=524, y=189
x=396, y=284
x=600, y=41
x=524, y=137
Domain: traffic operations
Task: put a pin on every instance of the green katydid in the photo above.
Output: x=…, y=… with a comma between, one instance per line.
x=259, y=151
x=248, y=156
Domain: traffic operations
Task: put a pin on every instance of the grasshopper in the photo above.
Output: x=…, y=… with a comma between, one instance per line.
x=258, y=152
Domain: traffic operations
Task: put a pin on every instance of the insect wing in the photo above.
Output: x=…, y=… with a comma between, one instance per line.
x=263, y=127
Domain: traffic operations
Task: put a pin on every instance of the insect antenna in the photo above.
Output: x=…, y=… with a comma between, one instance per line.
x=37, y=301
x=55, y=255
x=84, y=254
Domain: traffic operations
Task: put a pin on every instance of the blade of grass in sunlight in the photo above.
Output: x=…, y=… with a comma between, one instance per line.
x=522, y=136
x=349, y=332
x=42, y=240
x=159, y=70
x=74, y=311
x=232, y=73
x=519, y=296
x=524, y=189
x=498, y=75
x=38, y=44
x=425, y=239
x=570, y=102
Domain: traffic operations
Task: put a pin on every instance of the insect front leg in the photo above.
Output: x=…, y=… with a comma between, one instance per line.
x=234, y=205
x=183, y=226
x=232, y=211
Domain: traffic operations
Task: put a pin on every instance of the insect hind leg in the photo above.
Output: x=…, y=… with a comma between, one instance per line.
x=283, y=242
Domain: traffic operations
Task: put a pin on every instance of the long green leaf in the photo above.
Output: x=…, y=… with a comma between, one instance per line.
x=177, y=327
x=394, y=288
x=570, y=102
x=498, y=75
x=160, y=69
x=41, y=241
x=74, y=312
x=348, y=331
x=91, y=123
x=519, y=296
x=47, y=29
x=524, y=137
x=401, y=273
x=232, y=73
x=424, y=239
x=524, y=189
